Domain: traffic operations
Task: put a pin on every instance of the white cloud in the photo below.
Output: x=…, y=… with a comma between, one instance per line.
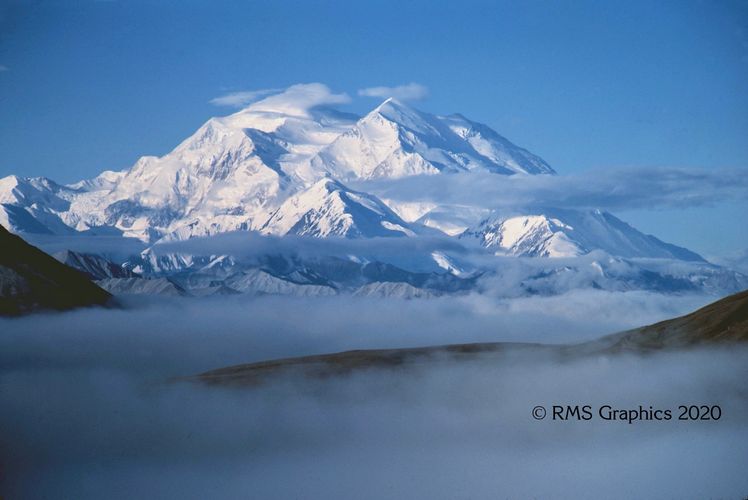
x=410, y=92
x=294, y=99
x=300, y=98
x=242, y=98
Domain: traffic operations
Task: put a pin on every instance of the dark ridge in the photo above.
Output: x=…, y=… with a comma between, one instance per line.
x=724, y=321
x=31, y=280
x=721, y=323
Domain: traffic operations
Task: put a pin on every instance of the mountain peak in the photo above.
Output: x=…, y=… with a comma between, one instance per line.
x=569, y=233
x=327, y=184
x=9, y=181
x=404, y=116
x=328, y=208
x=391, y=103
x=395, y=140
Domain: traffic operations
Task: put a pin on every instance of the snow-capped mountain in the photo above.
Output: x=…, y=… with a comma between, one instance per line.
x=328, y=208
x=280, y=167
x=231, y=174
x=33, y=205
x=105, y=181
x=255, y=169
x=395, y=141
x=38, y=191
x=598, y=270
x=19, y=220
x=570, y=233
x=509, y=277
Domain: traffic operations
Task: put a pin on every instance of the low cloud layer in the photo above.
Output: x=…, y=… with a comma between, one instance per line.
x=412, y=254
x=615, y=189
x=86, y=412
x=410, y=92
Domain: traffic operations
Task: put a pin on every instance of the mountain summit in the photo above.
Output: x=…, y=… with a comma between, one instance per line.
x=395, y=141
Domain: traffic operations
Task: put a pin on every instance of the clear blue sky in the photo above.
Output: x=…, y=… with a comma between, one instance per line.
x=93, y=85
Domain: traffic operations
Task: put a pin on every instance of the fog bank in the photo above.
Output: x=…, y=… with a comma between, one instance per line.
x=87, y=414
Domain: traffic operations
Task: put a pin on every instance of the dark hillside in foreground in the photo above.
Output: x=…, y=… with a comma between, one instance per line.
x=31, y=280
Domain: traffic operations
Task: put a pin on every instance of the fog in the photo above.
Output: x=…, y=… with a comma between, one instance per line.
x=88, y=412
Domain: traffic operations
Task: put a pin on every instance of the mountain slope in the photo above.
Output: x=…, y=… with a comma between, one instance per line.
x=231, y=174
x=219, y=179
x=19, y=220
x=95, y=267
x=724, y=321
x=141, y=286
x=34, y=205
x=260, y=282
x=330, y=209
x=395, y=141
x=569, y=233
x=32, y=280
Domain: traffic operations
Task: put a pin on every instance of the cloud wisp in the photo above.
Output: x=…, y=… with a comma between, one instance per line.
x=409, y=92
x=294, y=99
x=242, y=98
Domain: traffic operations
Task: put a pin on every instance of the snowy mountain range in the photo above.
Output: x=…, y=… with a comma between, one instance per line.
x=281, y=167
x=273, y=168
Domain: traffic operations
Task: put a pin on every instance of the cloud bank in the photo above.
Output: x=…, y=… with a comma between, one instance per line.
x=86, y=413
x=613, y=189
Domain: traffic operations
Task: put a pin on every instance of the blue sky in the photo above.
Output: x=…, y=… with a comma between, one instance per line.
x=589, y=86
